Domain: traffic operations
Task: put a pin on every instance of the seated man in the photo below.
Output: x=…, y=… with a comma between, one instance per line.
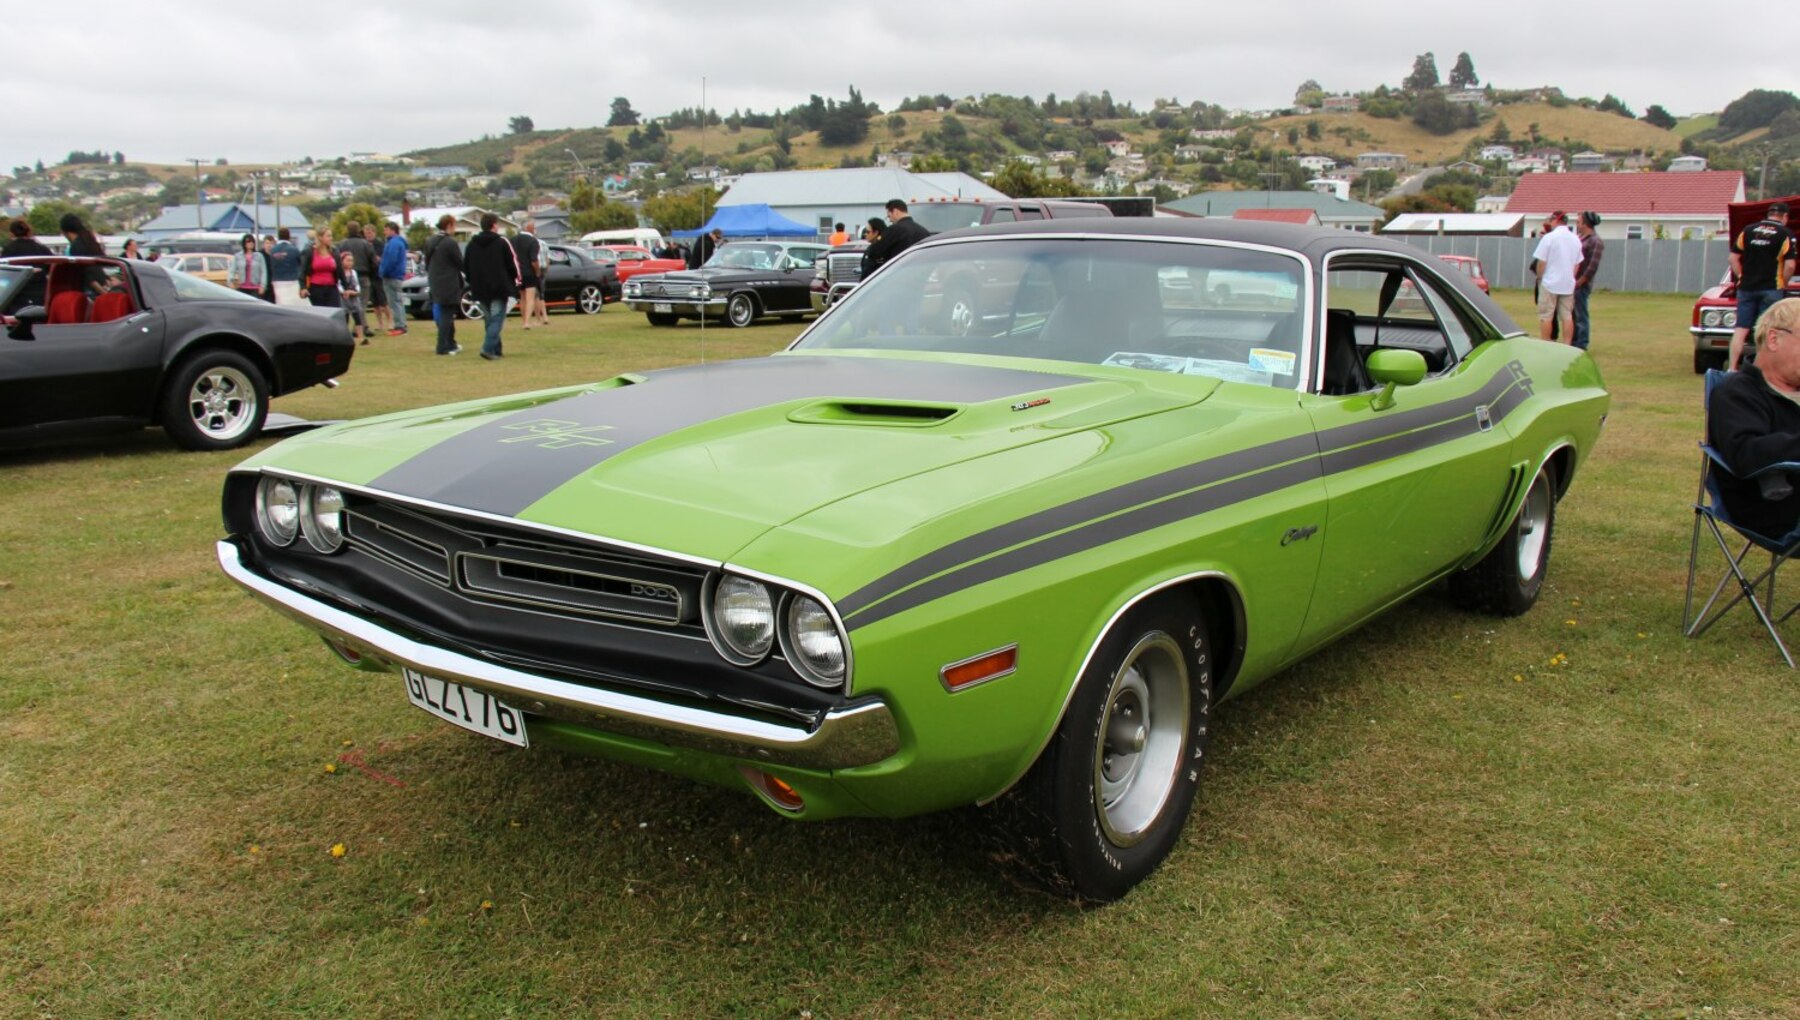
x=1753, y=421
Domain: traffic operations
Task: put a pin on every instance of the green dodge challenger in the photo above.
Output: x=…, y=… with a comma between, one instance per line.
x=1002, y=526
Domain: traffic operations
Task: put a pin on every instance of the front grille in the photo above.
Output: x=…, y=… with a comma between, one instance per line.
x=493, y=563
x=843, y=267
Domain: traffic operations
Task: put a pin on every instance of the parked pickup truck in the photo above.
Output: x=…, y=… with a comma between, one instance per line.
x=843, y=264
x=1715, y=310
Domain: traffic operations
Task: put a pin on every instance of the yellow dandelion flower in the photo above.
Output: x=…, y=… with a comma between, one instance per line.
x=423, y=921
x=330, y=768
x=1642, y=635
x=349, y=743
x=515, y=823
x=339, y=849
x=255, y=849
x=487, y=904
x=1570, y=623
x=1518, y=678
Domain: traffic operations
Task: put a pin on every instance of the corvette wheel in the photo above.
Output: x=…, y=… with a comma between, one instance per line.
x=1106, y=801
x=740, y=311
x=1508, y=579
x=469, y=308
x=590, y=300
x=215, y=400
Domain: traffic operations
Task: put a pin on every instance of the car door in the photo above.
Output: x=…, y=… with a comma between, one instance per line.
x=1415, y=487
x=560, y=281
x=83, y=370
x=793, y=288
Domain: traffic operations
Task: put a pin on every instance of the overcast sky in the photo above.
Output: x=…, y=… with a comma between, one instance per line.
x=254, y=81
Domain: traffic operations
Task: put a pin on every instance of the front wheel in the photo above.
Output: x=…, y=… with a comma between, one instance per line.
x=1508, y=579
x=740, y=311
x=1106, y=801
x=215, y=400
x=469, y=308
x=1704, y=360
x=590, y=300
x=662, y=318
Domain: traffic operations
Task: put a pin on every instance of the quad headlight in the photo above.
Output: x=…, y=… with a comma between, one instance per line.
x=1709, y=317
x=742, y=619
x=701, y=291
x=812, y=642
x=322, y=517
x=633, y=288
x=1728, y=318
x=278, y=509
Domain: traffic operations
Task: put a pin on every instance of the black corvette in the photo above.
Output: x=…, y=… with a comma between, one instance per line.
x=743, y=281
x=97, y=345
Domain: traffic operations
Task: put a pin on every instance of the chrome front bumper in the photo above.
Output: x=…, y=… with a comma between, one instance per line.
x=678, y=306
x=1710, y=338
x=857, y=734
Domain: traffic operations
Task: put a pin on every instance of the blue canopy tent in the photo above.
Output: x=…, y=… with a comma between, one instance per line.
x=750, y=221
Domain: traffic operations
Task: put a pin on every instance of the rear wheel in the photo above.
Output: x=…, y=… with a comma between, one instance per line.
x=1106, y=801
x=214, y=400
x=590, y=300
x=469, y=308
x=740, y=311
x=1508, y=579
x=661, y=318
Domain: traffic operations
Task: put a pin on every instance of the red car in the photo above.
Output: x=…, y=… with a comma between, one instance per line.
x=1469, y=266
x=632, y=261
x=1715, y=311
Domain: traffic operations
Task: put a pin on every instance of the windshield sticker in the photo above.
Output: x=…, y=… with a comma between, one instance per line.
x=1263, y=359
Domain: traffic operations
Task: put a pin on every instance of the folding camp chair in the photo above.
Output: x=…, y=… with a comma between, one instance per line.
x=1710, y=513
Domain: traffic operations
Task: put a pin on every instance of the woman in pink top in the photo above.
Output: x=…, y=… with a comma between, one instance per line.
x=320, y=273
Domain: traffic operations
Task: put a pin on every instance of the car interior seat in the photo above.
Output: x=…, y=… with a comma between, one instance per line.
x=114, y=304
x=68, y=307
x=1345, y=372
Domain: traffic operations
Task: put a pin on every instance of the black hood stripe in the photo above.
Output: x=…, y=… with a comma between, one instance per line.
x=1031, y=541
x=507, y=464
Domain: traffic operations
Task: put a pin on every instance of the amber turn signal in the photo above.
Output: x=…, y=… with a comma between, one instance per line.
x=980, y=669
x=784, y=796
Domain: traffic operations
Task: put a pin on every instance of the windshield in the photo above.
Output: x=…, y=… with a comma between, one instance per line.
x=1192, y=309
x=938, y=217
x=749, y=256
x=192, y=288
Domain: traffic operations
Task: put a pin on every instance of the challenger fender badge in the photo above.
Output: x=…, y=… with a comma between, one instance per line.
x=1029, y=404
x=556, y=434
x=1299, y=534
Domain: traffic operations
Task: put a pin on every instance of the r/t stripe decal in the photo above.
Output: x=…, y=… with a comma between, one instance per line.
x=1172, y=496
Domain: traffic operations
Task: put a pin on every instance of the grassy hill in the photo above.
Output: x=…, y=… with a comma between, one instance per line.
x=1345, y=135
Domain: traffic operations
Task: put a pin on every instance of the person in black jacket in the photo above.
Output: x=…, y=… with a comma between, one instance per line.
x=23, y=243
x=444, y=279
x=493, y=272
x=704, y=246
x=1753, y=421
x=902, y=233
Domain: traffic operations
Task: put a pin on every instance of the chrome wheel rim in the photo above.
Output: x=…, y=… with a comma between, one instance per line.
x=222, y=403
x=962, y=315
x=740, y=311
x=1533, y=528
x=471, y=308
x=590, y=299
x=1137, y=755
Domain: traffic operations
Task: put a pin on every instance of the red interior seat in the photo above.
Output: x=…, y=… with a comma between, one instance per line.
x=68, y=307
x=114, y=304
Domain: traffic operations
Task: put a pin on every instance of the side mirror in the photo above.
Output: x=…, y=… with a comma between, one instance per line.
x=1390, y=367
x=24, y=319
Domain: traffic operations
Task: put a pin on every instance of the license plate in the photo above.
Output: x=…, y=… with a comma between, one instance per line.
x=466, y=707
x=662, y=307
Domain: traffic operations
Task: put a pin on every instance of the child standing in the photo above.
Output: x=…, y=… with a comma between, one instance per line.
x=350, y=285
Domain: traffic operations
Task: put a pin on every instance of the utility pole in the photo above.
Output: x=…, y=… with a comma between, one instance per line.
x=199, y=199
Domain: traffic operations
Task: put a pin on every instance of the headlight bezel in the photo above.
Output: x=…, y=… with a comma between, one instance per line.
x=792, y=644
x=265, y=518
x=324, y=538
x=717, y=631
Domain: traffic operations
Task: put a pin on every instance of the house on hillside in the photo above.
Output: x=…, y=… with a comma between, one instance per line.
x=1333, y=211
x=1302, y=217
x=1467, y=167
x=1118, y=148
x=1500, y=152
x=1149, y=185
x=1341, y=104
x=1591, y=162
x=1317, y=164
x=1381, y=161
x=440, y=173
x=1634, y=206
x=1491, y=203
x=229, y=217
x=1467, y=97
x=1687, y=164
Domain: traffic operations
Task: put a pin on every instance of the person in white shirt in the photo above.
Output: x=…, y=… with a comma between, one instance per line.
x=1558, y=253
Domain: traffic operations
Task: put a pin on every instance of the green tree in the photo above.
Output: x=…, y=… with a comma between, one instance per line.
x=1613, y=104
x=45, y=217
x=686, y=210
x=1755, y=108
x=1424, y=74
x=1312, y=130
x=1310, y=93
x=896, y=124
x=845, y=123
x=1656, y=116
x=1440, y=116
x=361, y=212
x=622, y=113
x=1020, y=180
x=519, y=125
x=1293, y=135
x=417, y=233
x=1462, y=76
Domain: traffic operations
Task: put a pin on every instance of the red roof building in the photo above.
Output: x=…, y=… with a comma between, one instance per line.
x=1304, y=217
x=1634, y=205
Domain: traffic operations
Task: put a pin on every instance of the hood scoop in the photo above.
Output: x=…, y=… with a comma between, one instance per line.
x=889, y=413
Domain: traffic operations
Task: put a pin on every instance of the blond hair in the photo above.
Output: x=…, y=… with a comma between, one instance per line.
x=1783, y=315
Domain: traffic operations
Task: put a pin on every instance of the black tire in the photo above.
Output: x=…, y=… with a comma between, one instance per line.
x=422, y=311
x=740, y=311
x=1508, y=579
x=1092, y=818
x=589, y=299
x=1704, y=360
x=662, y=318
x=214, y=400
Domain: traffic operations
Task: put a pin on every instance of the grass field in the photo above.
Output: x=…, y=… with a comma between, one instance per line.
x=1606, y=132
x=1573, y=814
